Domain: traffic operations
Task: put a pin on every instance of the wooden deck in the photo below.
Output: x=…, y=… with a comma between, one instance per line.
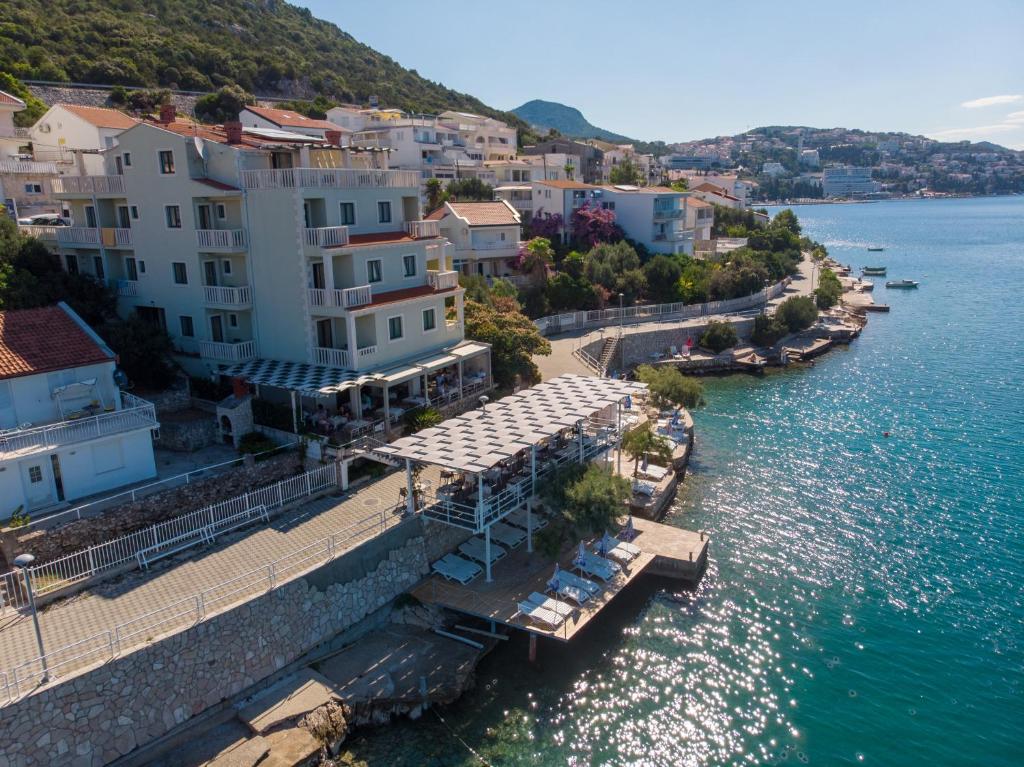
x=667, y=551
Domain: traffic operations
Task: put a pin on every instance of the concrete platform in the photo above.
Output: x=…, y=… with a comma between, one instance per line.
x=287, y=700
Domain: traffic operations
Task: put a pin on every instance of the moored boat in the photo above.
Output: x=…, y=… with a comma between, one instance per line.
x=901, y=284
x=874, y=270
x=875, y=248
x=876, y=307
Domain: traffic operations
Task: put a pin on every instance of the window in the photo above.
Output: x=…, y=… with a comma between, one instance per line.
x=429, y=320
x=409, y=262
x=373, y=271
x=502, y=235
x=222, y=211
x=134, y=211
x=226, y=265
x=180, y=273
x=127, y=159
x=348, y=214
x=142, y=266
x=187, y=328
x=394, y=328
x=35, y=474
x=384, y=212
x=72, y=263
x=233, y=320
x=173, y=213
x=608, y=206
x=90, y=216
x=166, y=161
x=33, y=188
x=131, y=268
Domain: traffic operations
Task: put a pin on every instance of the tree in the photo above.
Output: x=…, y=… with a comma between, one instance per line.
x=767, y=330
x=470, y=189
x=669, y=388
x=567, y=293
x=514, y=339
x=829, y=290
x=662, y=275
x=595, y=501
x=631, y=284
x=222, y=106
x=607, y=262
x=718, y=336
x=546, y=225
x=641, y=441
x=680, y=185
x=626, y=172
x=797, y=313
x=534, y=259
x=144, y=350
x=34, y=108
x=592, y=225
x=436, y=196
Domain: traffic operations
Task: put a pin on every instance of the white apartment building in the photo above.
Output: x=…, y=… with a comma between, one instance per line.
x=298, y=264
x=848, y=181
x=74, y=135
x=425, y=145
x=484, y=236
x=66, y=430
x=700, y=218
x=287, y=120
x=485, y=137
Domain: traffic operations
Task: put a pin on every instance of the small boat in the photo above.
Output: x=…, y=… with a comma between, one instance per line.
x=875, y=248
x=874, y=270
x=864, y=286
x=876, y=307
x=901, y=284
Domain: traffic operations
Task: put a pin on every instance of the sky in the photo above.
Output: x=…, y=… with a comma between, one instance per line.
x=684, y=70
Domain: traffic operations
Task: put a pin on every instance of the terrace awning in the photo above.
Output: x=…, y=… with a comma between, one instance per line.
x=431, y=364
x=310, y=380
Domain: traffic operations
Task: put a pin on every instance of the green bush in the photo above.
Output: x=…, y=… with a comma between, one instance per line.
x=421, y=418
x=204, y=388
x=767, y=330
x=829, y=290
x=719, y=336
x=670, y=388
x=797, y=313
x=254, y=442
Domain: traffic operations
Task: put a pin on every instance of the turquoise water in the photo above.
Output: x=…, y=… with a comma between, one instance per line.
x=864, y=604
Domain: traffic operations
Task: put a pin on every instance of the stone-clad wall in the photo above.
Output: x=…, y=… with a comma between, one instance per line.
x=637, y=348
x=99, y=716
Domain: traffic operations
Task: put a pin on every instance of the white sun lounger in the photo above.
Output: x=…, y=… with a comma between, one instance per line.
x=507, y=535
x=475, y=549
x=551, y=604
x=657, y=473
x=518, y=518
x=454, y=568
x=618, y=555
x=540, y=615
x=582, y=584
x=630, y=548
x=644, y=488
x=569, y=591
x=599, y=567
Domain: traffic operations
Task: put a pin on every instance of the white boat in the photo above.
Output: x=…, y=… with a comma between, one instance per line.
x=901, y=284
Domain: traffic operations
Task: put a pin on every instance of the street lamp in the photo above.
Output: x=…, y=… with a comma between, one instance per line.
x=622, y=350
x=767, y=282
x=23, y=562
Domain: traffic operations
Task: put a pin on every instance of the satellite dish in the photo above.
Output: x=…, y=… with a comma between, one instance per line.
x=200, y=146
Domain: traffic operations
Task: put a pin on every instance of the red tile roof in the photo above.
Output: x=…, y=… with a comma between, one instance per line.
x=41, y=340
x=289, y=119
x=498, y=213
x=7, y=98
x=101, y=117
x=560, y=184
x=218, y=185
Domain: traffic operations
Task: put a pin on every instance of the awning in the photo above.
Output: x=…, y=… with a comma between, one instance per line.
x=398, y=374
x=436, y=363
x=312, y=380
x=468, y=350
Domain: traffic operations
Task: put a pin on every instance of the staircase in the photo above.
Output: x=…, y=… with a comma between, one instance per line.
x=608, y=351
x=366, y=447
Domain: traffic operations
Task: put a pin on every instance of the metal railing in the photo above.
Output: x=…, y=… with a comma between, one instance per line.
x=421, y=229
x=42, y=232
x=88, y=185
x=135, y=414
x=331, y=357
x=128, y=288
x=196, y=527
x=342, y=178
x=106, y=645
x=84, y=234
x=220, y=294
x=221, y=239
x=327, y=236
x=219, y=350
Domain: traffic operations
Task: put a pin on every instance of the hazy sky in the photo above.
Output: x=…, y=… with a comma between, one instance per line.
x=657, y=69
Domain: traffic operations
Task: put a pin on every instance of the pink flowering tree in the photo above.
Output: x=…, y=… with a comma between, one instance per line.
x=592, y=224
x=546, y=225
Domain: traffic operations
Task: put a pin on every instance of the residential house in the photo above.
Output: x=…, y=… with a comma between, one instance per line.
x=66, y=429
x=653, y=216
x=716, y=195
x=75, y=134
x=295, y=263
x=485, y=137
x=484, y=235
x=560, y=198
x=587, y=162
x=287, y=120
x=700, y=219
x=24, y=183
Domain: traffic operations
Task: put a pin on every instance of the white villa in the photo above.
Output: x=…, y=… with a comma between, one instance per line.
x=287, y=120
x=485, y=236
x=66, y=430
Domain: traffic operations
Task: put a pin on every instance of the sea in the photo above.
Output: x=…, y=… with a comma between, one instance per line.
x=864, y=602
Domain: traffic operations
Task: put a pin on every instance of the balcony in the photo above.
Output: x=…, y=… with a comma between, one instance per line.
x=113, y=237
x=667, y=213
x=28, y=167
x=353, y=297
x=421, y=229
x=41, y=232
x=240, y=351
x=225, y=296
x=227, y=240
x=127, y=288
x=88, y=185
x=135, y=414
x=442, y=280
x=337, y=358
x=329, y=178
x=327, y=236
x=512, y=247
x=78, y=235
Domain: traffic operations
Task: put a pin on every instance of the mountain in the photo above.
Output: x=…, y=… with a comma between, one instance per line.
x=567, y=120
x=267, y=47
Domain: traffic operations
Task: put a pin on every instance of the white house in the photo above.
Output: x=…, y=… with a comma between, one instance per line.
x=66, y=430
x=287, y=120
x=654, y=216
x=700, y=217
x=485, y=236
x=10, y=141
x=65, y=128
x=716, y=195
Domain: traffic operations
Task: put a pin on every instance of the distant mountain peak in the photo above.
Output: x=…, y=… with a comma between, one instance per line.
x=567, y=120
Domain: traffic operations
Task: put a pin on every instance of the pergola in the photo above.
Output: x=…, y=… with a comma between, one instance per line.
x=478, y=441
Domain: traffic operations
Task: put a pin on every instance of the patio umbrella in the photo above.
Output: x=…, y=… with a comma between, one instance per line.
x=675, y=418
x=629, y=402
x=629, y=532
x=555, y=583
x=581, y=556
x=644, y=464
x=603, y=546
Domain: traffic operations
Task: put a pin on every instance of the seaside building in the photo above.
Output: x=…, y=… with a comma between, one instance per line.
x=66, y=429
x=848, y=181
x=73, y=136
x=700, y=219
x=774, y=169
x=287, y=120
x=483, y=235
x=586, y=163
x=296, y=263
x=716, y=195
x=24, y=183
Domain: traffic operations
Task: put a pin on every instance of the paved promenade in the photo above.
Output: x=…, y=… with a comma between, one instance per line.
x=107, y=604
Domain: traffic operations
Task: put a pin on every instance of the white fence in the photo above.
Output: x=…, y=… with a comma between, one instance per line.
x=560, y=323
x=197, y=527
x=192, y=609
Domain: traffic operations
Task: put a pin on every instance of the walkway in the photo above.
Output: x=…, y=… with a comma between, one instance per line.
x=180, y=578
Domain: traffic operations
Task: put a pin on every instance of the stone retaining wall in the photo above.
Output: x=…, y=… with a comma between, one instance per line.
x=637, y=348
x=101, y=715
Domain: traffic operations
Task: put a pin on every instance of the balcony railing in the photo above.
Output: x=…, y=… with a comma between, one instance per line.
x=489, y=246
x=339, y=178
x=239, y=351
x=661, y=213
x=116, y=237
x=352, y=297
x=84, y=235
x=219, y=294
x=88, y=185
x=442, y=280
x=135, y=414
x=318, y=297
x=128, y=288
x=327, y=236
x=367, y=351
x=337, y=358
x=221, y=239
x=42, y=232
x=29, y=167
x=420, y=229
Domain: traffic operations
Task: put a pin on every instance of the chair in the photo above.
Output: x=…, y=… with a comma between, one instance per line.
x=540, y=615
x=551, y=604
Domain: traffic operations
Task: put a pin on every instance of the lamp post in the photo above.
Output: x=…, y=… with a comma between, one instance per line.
x=622, y=351
x=767, y=283
x=23, y=562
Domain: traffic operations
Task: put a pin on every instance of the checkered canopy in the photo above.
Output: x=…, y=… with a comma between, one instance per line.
x=310, y=380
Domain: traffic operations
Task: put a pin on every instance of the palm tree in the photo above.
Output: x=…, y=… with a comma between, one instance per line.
x=643, y=441
x=535, y=259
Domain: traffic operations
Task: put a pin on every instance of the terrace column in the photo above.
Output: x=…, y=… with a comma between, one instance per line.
x=350, y=339
x=295, y=417
x=329, y=279
x=487, y=530
x=410, y=500
x=618, y=451
x=387, y=412
x=462, y=374
x=580, y=427
x=533, y=495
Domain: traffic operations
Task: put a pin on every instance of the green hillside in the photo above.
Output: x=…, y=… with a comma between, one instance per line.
x=567, y=120
x=267, y=47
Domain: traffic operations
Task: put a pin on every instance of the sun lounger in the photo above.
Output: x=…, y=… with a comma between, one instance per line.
x=476, y=549
x=507, y=535
x=551, y=604
x=657, y=473
x=518, y=518
x=568, y=591
x=583, y=584
x=599, y=567
x=630, y=548
x=454, y=568
x=540, y=615
x=644, y=488
x=620, y=556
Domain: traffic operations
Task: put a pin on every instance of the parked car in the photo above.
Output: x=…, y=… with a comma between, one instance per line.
x=44, y=219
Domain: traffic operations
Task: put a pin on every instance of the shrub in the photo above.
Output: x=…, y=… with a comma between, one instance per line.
x=767, y=330
x=204, y=388
x=797, y=313
x=829, y=289
x=670, y=388
x=254, y=442
x=421, y=418
x=719, y=336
